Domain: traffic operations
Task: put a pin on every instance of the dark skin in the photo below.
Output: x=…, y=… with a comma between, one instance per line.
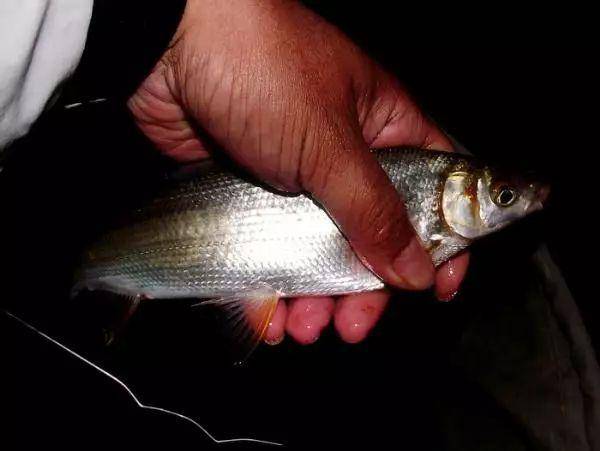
x=293, y=101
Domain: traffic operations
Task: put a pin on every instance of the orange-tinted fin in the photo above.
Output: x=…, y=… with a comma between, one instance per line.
x=115, y=328
x=110, y=311
x=248, y=316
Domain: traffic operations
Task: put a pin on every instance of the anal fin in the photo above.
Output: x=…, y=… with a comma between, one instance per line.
x=248, y=314
x=120, y=320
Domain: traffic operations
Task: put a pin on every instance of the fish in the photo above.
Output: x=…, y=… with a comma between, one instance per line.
x=215, y=235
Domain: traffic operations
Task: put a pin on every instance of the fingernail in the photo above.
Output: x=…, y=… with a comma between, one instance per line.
x=446, y=297
x=276, y=341
x=413, y=267
x=310, y=335
x=313, y=339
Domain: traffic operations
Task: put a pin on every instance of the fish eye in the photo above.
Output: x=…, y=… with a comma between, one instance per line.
x=506, y=196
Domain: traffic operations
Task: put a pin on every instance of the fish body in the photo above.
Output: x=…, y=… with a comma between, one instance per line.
x=215, y=234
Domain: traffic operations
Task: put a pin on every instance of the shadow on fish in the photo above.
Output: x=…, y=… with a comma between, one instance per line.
x=215, y=236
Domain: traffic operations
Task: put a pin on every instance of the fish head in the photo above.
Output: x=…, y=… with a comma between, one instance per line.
x=480, y=201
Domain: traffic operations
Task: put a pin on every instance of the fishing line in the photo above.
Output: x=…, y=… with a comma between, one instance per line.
x=133, y=396
x=78, y=104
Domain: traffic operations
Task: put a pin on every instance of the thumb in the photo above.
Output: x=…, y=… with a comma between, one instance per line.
x=348, y=181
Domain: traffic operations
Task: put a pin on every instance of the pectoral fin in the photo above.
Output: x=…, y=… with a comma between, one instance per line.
x=248, y=313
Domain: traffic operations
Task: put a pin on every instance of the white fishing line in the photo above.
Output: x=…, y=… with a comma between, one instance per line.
x=78, y=104
x=133, y=396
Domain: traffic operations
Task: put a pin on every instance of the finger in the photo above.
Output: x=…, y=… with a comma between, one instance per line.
x=407, y=125
x=417, y=131
x=349, y=182
x=396, y=120
x=449, y=276
x=160, y=117
x=308, y=317
x=356, y=315
x=276, y=331
x=187, y=153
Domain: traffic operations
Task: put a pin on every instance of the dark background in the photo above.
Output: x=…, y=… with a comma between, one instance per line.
x=528, y=104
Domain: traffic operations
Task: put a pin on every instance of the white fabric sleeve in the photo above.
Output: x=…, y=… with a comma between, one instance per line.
x=41, y=42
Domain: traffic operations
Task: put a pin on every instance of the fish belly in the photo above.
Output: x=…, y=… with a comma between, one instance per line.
x=222, y=236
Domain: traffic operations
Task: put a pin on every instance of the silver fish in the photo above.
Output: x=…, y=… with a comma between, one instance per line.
x=215, y=235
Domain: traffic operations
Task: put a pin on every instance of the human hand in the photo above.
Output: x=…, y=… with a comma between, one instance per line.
x=292, y=100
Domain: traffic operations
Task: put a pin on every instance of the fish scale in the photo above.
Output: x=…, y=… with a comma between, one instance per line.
x=212, y=234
